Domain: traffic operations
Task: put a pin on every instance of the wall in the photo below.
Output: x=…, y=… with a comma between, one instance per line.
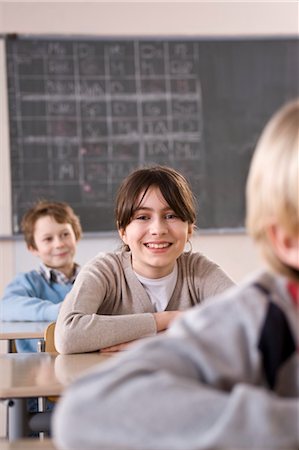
x=151, y=17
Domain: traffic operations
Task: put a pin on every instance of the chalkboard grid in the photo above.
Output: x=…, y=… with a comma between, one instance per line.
x=86, y=112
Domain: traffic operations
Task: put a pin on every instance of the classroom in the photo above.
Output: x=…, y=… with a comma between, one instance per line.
x=230, y=247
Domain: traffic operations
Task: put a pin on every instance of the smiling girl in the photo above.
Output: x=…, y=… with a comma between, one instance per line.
x=138, y=291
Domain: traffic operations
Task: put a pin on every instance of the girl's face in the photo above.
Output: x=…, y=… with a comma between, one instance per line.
x=155, y=235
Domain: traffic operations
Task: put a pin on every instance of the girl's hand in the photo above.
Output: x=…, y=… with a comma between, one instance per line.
x=163, y=319
x=117, y=347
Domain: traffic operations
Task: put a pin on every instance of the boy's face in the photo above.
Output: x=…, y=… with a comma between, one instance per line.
x=55, y=244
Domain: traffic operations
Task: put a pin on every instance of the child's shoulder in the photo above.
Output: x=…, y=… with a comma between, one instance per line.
x=108, y=258
x=239, y=304
x=106, y=264
x=254, y=293
x=32, y=276
x=25, y=280
x=196, y=260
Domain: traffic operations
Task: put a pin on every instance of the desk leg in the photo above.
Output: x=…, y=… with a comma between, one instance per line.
x=11, y=346
x=17, y=419
x=41, y=400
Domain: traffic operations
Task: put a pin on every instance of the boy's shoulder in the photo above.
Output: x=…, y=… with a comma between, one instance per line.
x=30, y=273
x=251, y=297
x=32, y=276
x=257, y=287
x=31, y=281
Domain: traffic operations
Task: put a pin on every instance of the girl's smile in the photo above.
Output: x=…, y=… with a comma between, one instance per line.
x=156, y=236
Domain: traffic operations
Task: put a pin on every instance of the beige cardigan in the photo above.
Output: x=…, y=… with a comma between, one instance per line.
x=108, y=305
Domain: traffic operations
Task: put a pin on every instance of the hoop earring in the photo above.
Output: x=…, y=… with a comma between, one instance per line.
x=190, y=247
x=125, y=247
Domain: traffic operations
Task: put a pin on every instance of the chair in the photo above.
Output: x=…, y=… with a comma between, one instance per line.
x=48, y=345
x=49, y=342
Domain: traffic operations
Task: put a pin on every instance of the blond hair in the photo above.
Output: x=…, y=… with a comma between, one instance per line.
x=273, y=185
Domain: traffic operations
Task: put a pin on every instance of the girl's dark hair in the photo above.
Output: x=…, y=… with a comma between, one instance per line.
x=60, y=211
x=173, y=186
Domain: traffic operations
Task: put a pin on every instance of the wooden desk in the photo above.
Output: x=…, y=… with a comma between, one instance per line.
x=25, y=375
x=21, y=330
x=27, y=444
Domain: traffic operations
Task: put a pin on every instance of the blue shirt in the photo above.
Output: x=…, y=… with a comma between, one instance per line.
x=33, y=296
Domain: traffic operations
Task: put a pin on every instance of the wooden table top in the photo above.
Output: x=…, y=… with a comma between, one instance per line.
x=22, y=330
x=27, y=444
x=43, y=374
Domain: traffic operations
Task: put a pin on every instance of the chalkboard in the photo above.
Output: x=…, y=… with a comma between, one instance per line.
x=84, y=113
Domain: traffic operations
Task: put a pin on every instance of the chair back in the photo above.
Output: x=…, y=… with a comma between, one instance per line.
x=49, y=341
x=49, y=347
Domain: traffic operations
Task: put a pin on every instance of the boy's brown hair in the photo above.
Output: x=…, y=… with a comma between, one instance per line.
x=60, y=211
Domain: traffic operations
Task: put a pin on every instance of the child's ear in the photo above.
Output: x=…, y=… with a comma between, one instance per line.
x=285, y=246
x=33, y=250
x=190, y=229
x=122, y=234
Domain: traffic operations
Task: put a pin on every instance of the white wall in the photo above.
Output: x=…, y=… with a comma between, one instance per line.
x=151, y=17
x=234, y=252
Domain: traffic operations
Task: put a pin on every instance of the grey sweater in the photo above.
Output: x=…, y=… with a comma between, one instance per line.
x=108, y=305
x=225, y=376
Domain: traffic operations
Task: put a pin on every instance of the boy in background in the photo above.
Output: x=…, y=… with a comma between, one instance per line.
x=226, y=374
x=51, y=230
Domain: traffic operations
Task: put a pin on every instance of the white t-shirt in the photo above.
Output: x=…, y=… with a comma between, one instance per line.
x=160, y=290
